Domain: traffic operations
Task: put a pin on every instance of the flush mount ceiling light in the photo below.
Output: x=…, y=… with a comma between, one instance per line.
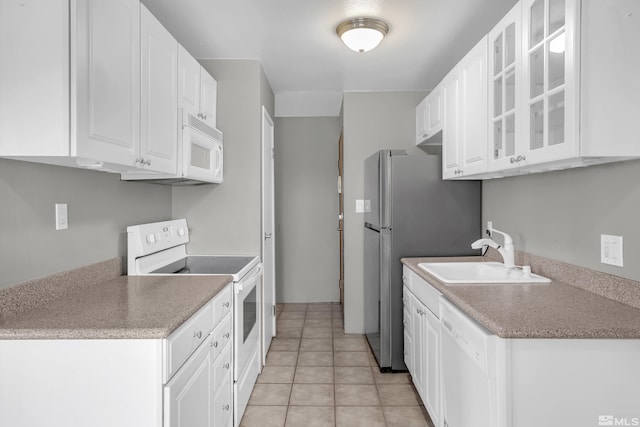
x=362, y=34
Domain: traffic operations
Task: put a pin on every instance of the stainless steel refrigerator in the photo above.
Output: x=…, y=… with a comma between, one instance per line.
x=412, y=213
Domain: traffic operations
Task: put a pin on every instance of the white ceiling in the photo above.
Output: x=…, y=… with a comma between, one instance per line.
x=296, y=43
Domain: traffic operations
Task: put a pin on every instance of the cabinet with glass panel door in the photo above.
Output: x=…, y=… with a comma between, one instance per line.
x=507, y=147
x=550, y=65
x=580, y=65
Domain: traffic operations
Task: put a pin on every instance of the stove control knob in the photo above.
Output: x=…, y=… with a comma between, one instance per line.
x=151, y=239
x=181, y=232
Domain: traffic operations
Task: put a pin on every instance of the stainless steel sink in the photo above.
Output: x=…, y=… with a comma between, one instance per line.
x=479, y=273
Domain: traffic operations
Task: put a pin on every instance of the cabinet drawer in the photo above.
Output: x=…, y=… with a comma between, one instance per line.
x=187, y=338
x=426, y=293
x=222, y=404
x=222, y=368
x=222, y=304
x=221, y=336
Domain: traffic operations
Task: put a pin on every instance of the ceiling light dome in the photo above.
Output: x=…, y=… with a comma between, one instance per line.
x=362, y=34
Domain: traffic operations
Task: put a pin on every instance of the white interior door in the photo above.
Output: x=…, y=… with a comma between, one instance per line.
x=268, y=237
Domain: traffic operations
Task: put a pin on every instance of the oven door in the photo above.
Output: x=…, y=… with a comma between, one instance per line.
x=246, y=319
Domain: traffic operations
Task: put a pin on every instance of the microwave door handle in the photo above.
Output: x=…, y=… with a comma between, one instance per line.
x=218, y=158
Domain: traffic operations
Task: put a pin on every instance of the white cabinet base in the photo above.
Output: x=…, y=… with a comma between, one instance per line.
x=572, y=382
x=79, y=383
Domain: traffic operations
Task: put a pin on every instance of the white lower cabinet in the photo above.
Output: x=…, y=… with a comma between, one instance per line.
x=187, y=397
x=525, y=382
x=422, y=341
x=184, y=380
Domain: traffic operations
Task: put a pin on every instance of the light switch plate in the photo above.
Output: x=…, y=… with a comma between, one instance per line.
x=367, y=206
x=62, y=219
x=359, y=206
x=611, y=250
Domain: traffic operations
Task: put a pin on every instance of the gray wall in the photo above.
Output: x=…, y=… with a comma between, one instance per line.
x=561, y=215
x=100, y=207
x=372, y=121
x=306, y=170
x=226, y=219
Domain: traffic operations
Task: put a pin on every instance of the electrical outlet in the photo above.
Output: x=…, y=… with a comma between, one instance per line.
x=62, y=219
x=611, y=250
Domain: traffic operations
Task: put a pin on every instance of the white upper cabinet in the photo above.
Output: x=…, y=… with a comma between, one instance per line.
x=580, y=63
x=208, y=97
x=197, y=89
x=506, y=142
x=429, y=118
x=451, y=148
x=562, y=91
x=87, y=102
x=421, y=121
x=159, y=96
x=473, y=99
x=106, y=66
x=464, y=131
x=551, y=88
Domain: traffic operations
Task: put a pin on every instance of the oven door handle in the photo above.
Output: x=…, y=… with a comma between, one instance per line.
x=240, y=285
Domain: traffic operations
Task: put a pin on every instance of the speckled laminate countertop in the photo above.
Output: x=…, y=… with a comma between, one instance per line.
x=126, y=307
x=555, y=310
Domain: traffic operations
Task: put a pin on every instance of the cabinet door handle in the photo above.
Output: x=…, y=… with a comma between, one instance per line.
x=226, y=304
x=214, y=344
x=225, y=407
x=226, y=335
x=197, y=334
x=226, y=366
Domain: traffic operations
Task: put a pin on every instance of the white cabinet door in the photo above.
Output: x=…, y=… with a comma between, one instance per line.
x=550, y=64
x=421, y=121
x=507, y=147
x=105, y=58
x=473, y=105
x=434, y=111
x=189, y=83
x=429, y=116
x=159, y=96
x=408, y=329
x=432, y=369
x=451, y=155
x=208, y=95
x=197, y=89
x=419, y=345
x=187, y=397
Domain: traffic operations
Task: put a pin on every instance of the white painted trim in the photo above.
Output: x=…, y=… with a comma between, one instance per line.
x=267, y=311
x=308, y=104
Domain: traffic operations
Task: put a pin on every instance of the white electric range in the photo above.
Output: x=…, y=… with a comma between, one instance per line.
x=160, y=248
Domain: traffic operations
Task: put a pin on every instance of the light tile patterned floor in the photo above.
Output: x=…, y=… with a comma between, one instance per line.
x=316, y=376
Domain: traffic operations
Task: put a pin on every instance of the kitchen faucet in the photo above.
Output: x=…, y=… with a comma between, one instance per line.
x=506, y=250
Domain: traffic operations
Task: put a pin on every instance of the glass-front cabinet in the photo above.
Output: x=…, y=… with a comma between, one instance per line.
x=506, y=147
x=550, y=63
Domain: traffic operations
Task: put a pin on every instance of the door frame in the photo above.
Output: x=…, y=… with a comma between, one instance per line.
x=341, y=213
x=269, y=270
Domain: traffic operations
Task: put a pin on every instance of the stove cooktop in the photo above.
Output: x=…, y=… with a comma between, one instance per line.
x=206, y=265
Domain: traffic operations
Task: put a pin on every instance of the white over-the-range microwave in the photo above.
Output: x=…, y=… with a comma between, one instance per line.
x=200, y=156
